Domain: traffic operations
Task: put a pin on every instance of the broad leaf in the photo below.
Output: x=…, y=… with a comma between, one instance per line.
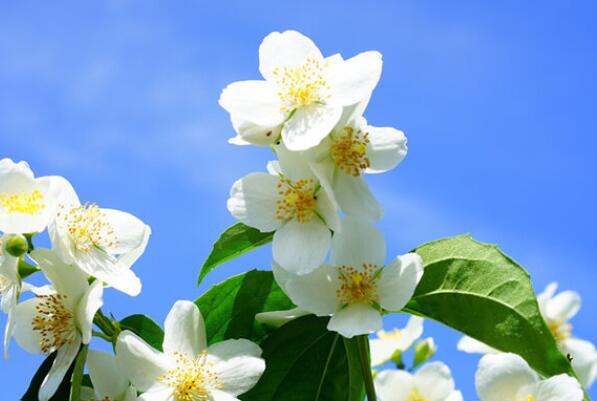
x=63, y=391
x=306, y=362
x=478, y=290
x=145, y=328
x=229, y=308
x=233, y=242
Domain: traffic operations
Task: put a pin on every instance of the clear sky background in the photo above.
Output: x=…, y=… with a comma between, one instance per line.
x=497, y=100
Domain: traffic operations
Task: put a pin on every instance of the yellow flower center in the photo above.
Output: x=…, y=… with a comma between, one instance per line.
x=193, y=378
x=25, y=202
x=414, y=395
x=395, y=334
x=560, y=330
x=87, y=227
x=349, y=151
x=529, y=398
x=54, y=322
x=297, y=200
x=302, y=85
x=358, y=286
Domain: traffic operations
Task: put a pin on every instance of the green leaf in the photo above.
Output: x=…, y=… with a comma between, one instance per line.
x=476, y=289
x=63, y=391
x=233, y=242
x=229, y=308
x=77, y=375
x=145, y=328
x=306, y=362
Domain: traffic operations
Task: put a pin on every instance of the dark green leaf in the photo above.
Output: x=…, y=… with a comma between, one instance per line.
x=63, y=391
x=233, y=242
x=77, y=375
x=145, y=328
x=229, y=308
x=306, y=362
x=478, y=290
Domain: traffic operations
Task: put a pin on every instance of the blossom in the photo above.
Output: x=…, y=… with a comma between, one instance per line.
x=432, y=382
x=27, y=204
x=189, y=370
x=303, y=94
x=388, y=343
x=353, y=149
x=104, y=243
x=109, y=379
x=10, y=287
x=60, y=320
x=507, y=377
x=289, y=201
x=557, y=310
x=356, y=285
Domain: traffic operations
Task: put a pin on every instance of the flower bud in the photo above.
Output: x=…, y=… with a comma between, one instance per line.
x=424, y=350
x=16, y=245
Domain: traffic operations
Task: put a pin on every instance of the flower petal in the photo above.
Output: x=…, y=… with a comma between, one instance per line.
x=472, y=346
x=217, y=395
x=356, y=243
x=398, y=281
x=315, y=292
x=251, y=133
x=278, y=319
x=354, y=320
x=563, y=306
x=66, y=279
x=159, y=392
x=386, y=148
x=64, y=358
x=24, y=335
x=253, y=201
x=106, y=375
x=355, y=198
x=434, y=381
x=556, y=388
x=143, y=364
x=129, y=230
x=239, y=374
x=394, y=385
x=105, y=267
x=286, y=49
x=584, y=359
x=500, y=377
x=301, y=247
x=233, y=348
x=86, y=309
x=256, y=102
x=184, y=330
x=353, y=80
x=327, y=210
x=382, y=350
x=308, y=125
x=455, y=396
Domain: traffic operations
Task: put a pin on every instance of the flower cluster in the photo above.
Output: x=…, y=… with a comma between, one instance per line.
x=309, y=110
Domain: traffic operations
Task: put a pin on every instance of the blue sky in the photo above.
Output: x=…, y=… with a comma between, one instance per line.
x=497, y=100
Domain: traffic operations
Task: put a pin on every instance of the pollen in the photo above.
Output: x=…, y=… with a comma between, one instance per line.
x=560, y=330
x=529, y=398
x=193, y=379
x=24, y=203
x=302, y=85
x=296, y=200
x=349, y=151
x=54, y=322
x=415, y=395
x=358, y=286
x=395, y=334
x=87, y=227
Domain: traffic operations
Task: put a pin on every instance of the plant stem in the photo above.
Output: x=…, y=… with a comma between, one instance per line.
x=363, y=347
x=101, y=335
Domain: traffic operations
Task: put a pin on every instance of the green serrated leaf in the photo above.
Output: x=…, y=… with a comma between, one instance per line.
x=306, y=362
x=235, y=241
x=63, y=391
x=229, y=308
x=77, y=375
x=476, y=289
x=145, y=328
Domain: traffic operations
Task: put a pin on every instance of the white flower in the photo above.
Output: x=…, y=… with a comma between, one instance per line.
x=432, y=382
x=557, y=310
x=188, y=369
x=60, y=320
x=356, y=286
x=10, y=287
x=303, y=93
x=27, y=204
x=507, y=377
x=352, y=149
x=104, y=243
x=289, y=201
x=109, y=380
x=388, y=343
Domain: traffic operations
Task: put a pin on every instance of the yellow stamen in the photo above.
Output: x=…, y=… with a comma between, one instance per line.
x=87, y=227
x=297, y=200
x=193, y=379
x=349, y=151
x=529, y=398
x=358, y=286
x=25, y=202
x=54, y=322
x=560, y=330
x=414, y=395
x=395, y=334
x=302, y=85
